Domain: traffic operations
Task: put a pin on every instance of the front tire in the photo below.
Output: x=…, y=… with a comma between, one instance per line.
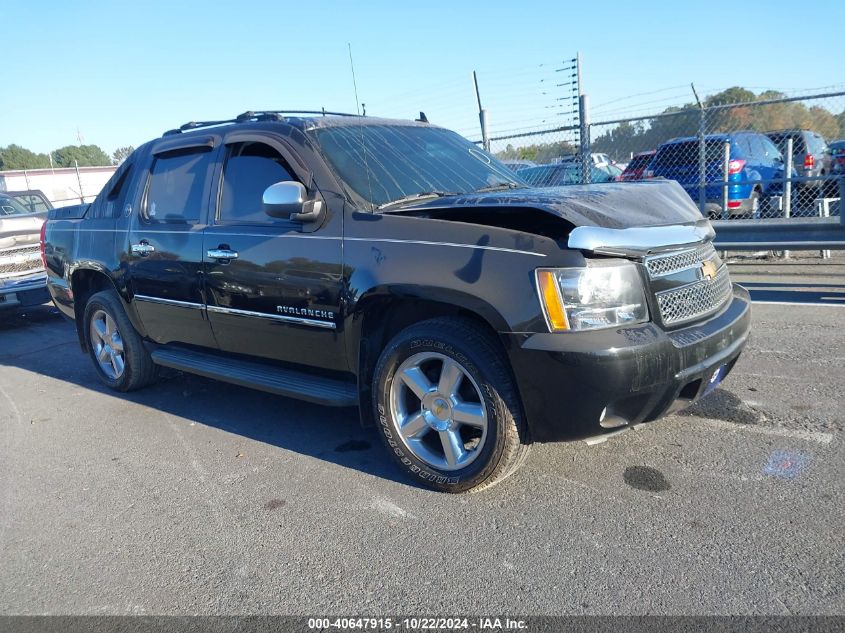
x=447, y=406
x=120, y=359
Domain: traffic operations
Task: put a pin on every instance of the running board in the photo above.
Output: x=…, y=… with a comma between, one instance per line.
x=282, y=382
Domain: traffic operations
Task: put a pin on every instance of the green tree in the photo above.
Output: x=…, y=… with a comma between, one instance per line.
x=17, y=157
x=539, y=152
x=738, y=109
x=730, y=96
x=86, y=155
x=121, y=154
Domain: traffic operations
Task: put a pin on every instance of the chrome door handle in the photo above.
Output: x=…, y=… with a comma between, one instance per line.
x=143, y=249
x=221, y=253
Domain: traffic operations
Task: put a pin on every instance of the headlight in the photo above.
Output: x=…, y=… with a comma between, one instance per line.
x=605, y=293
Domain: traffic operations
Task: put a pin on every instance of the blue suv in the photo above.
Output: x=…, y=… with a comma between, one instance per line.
x=754, y=162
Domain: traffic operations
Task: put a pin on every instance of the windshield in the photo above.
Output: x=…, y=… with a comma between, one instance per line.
x=386, y=163
x=10, y=206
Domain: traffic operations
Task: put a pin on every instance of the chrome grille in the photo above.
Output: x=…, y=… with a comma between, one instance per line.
x=20, y=260
x=689, y=284
x=695, y=300
x=662, y=265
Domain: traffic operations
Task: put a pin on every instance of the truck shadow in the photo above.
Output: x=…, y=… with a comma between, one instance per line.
x=24, y=318
x=785, y=292
x=46, y=344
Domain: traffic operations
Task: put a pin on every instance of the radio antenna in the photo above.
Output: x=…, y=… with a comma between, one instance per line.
x=354, y=83
x=363, y=143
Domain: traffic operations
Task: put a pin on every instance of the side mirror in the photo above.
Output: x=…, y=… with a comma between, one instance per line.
x=284, y=199
x=289, y=200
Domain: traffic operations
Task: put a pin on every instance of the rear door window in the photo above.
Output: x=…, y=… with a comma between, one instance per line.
x=178, y=186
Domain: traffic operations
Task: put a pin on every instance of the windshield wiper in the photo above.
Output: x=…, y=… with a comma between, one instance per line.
x=414, y=197
x=501, y=186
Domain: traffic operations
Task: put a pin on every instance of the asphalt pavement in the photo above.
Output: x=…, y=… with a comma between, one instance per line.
x=196, y=497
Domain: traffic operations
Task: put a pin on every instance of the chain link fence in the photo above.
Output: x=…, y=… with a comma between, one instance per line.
x=775, y=156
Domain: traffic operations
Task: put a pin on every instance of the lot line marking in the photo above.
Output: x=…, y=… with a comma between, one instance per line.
x=795, y=434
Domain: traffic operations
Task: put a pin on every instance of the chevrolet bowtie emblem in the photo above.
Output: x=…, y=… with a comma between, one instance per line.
x=708, y=270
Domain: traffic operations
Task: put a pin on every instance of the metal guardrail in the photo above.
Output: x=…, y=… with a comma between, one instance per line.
x=782, y=234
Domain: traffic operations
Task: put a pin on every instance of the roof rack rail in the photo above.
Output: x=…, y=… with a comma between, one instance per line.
x=250, y=115
x=321, y=112
x=193, y=125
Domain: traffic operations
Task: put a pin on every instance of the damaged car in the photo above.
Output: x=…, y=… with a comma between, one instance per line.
x=395, y=267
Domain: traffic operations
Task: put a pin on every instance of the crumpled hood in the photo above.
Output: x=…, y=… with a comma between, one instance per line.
x=615, y=205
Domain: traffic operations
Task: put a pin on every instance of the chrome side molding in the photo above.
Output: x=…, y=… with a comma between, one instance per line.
x=168, y=302
x=273, y=317
x=639, y=240
x=243, y=313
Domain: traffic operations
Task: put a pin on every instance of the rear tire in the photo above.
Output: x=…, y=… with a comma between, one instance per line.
x=447, y=406
x=120, y=359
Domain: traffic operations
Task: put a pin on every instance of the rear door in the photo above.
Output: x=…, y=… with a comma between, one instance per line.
x=166, y=241
x=274, y=286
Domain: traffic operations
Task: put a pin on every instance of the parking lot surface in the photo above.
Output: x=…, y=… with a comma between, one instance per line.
x=198, y=497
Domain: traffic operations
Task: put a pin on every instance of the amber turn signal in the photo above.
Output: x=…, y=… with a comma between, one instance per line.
x=552, y=302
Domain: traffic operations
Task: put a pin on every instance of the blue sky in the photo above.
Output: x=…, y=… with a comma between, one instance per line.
x=124, y=72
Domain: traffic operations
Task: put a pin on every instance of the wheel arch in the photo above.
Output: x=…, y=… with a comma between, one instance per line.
x=85, y=282
x=383, y=312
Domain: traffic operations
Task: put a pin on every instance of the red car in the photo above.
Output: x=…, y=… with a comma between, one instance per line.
x=636, y=168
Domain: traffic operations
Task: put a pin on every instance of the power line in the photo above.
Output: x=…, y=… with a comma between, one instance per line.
x=639, y=94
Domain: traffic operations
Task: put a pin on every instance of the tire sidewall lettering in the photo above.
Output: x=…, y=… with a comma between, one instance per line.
x=409, y=462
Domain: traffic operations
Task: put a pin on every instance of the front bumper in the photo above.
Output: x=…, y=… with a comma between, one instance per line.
x=25, y=291
x=632, y=375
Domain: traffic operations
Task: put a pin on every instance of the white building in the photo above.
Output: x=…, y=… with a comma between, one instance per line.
x=63, y=185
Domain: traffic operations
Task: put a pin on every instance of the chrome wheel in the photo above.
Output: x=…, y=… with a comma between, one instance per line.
x=107, y=345
x=438, y=410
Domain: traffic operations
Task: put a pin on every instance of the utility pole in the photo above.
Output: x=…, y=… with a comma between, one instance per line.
x=482, y=115
x=702, y=157
x=79, y=181
x=584, y=125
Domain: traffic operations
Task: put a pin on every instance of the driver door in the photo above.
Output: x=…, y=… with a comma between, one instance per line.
x=273, y=289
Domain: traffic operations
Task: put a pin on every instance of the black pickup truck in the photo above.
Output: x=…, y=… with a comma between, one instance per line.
x=394, y=266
